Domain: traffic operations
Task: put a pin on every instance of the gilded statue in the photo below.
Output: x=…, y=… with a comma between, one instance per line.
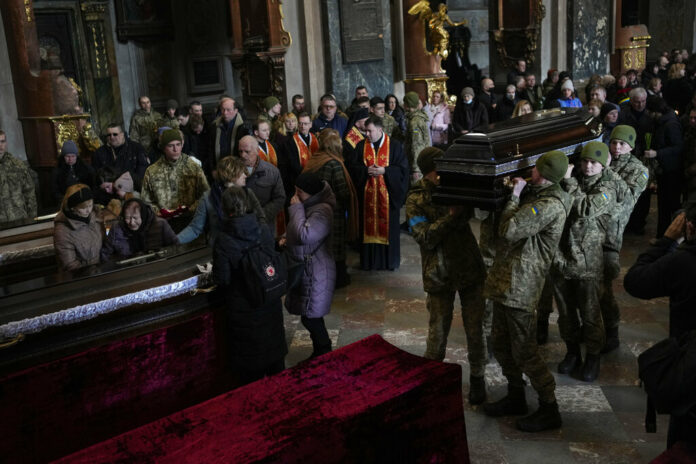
x=435, y=22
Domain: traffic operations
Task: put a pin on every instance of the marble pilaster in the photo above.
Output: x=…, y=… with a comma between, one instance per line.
x=589, y=25
x=9, y=121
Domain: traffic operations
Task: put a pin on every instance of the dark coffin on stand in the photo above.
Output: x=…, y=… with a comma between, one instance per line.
x=475, y=168
x=87, y=355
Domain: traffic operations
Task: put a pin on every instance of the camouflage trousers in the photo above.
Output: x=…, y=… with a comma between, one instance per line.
x=515, y=348
x=607, y=302
x=578, y=302
x=441, y=308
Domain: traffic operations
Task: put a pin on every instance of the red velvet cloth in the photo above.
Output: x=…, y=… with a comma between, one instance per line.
x=65, y=405
x=366, y=402
x=679, y=453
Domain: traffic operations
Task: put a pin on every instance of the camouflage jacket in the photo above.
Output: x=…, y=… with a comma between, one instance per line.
x=528, y=235
x=17, y=194
x=143, y=127
x=450, y=257
x=172, y=184
x=417, y=136
x=166, y=121
x=391, y=128
x=580, y=251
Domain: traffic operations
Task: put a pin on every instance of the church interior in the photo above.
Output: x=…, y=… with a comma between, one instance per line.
x=125, y=361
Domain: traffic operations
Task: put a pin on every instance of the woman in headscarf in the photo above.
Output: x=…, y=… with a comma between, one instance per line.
x=139, y=231
x=328, y=165
x=77, y=234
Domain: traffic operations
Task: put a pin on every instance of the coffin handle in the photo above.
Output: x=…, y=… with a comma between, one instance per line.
x=196, y=291
x=12, y=341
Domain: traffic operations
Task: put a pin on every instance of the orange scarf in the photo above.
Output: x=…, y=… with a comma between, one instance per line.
x=269, y=157
x=376, y=202
x=305, y=152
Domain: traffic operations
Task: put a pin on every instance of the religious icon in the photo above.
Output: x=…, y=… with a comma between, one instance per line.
x=435, y=24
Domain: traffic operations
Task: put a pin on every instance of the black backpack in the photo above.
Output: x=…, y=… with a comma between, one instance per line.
x=264, y=274
x=668, y=372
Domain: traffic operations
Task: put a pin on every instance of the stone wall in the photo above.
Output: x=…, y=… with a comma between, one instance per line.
x=476, y=13
x=589, y=30
x=671, y=25
x=342, y=78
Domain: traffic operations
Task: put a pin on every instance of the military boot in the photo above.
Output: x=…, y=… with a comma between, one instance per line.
x=477, y=390
x=546, y=417
x=612, y=342
x=572, y=360
x=590, y=370
x=514, y=404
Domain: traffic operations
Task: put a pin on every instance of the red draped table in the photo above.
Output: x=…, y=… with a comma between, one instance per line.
x=366, y=402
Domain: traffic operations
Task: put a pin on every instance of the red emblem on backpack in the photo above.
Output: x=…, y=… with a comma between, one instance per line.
x=270, y=271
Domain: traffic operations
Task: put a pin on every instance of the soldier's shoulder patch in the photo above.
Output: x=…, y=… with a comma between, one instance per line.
x=645, y=175
x=535, y=210
x=604, y=195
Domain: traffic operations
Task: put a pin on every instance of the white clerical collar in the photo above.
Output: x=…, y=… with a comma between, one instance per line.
x=381, y=141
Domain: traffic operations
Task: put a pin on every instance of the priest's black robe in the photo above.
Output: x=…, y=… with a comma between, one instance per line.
x=396, y=178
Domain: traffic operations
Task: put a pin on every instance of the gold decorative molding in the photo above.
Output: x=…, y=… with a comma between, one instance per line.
x=28, y=10
x=285, y=37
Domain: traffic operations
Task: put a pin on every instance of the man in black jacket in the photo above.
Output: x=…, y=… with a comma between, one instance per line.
x=667, y=269
x=122, y=155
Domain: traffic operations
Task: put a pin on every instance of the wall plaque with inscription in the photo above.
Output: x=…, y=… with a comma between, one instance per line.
x=362, y=30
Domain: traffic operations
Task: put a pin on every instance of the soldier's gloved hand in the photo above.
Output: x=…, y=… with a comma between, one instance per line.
x=518, y=185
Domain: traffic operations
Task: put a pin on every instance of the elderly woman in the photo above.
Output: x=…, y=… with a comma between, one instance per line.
x=309, y=239
x=328, y=164
x=139, y=231
x=231, y=171
x=77, y=234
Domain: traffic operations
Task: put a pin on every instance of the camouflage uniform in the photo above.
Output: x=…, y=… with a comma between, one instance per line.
x=529, y=232
x=17, y=195
x=166, y=121
x=578, y=266
x=634, y=175
x=172, y=184
x=391, y=128
x=451, y=263
x=143, y=127
x=417, y=137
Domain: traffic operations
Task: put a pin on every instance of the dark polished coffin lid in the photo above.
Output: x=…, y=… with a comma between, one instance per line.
x=474, y=168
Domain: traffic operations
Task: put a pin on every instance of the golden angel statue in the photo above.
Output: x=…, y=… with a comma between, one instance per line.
x=438, y=35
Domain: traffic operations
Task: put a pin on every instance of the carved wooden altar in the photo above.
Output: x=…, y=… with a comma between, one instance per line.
x=630, y=45
x=259, y=45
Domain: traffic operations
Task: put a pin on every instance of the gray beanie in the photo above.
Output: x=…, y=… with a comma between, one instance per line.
x=69, y=147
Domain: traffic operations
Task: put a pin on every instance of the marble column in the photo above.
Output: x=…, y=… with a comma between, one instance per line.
x=589, y=25
x=553, y=38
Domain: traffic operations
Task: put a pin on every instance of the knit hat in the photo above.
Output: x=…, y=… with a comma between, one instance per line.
x=625, y=133
x=80, y=196
x=124, y=182
x=169, y=136
x=411, y=100
x=568, y=84
x=270, y=102
x=468, y=91
x=552, y=165
x=309, y=183
x=606, y=109
x=69, y=147
x=361, y=113
x=595, y=151
x=426, y=159
x=171, y=103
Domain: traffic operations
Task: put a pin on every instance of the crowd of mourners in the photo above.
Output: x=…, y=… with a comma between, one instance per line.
x=318, y=184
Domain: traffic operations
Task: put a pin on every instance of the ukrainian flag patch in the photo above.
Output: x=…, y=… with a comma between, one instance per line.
x=645, y=174
x=604, y=195
x=535, y=211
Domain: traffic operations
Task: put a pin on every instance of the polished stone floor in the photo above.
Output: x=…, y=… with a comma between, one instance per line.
x=602, y=421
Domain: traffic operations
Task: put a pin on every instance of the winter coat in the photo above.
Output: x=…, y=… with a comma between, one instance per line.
x=417, y=136
x=154, y=233
x=668, y=143
x=309, y=238
x=267, y=185
x=439, y=123
x=143, y=127
x=63, y=176
x=256, y=335
x=77, y=244
x=469, y=117
x=641, y=122
x=450, y=256
x=128, y=157
x=209, y=213
x=529, y=232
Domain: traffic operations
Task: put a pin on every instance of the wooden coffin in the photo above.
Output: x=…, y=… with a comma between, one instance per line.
x=90, y=354
x=476, y=167
x=26, y=249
